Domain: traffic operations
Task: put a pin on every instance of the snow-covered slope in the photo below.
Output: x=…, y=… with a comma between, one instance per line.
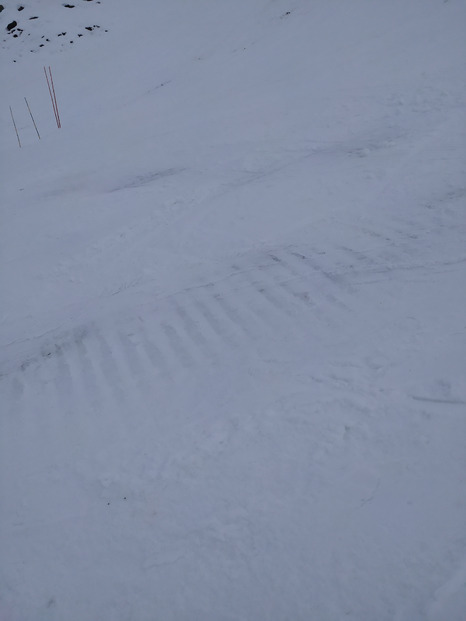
x=232, y=320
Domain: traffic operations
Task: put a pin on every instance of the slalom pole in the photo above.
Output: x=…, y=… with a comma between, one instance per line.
x=51, y=96
x=32, y=117
x=16, y=130
x=55, y=98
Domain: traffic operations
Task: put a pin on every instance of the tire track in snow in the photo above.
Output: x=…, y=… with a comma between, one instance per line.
x=110, y=369
x=295, y=267
x=272, y=296
x=212, y=321
x=329, y=276
x=184, y=310
x=126, y=366
x=149, y=343
x=283, y=294
x=133, y=360
x=87, y=374
x=229, y=311
x=267, y=312
x=405, y=240
x=64, y=387
x=177, y=347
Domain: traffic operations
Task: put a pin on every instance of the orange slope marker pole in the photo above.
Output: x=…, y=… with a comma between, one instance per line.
x=16, y=129
x=55, y=98
x=51, y=96
x=35, y=126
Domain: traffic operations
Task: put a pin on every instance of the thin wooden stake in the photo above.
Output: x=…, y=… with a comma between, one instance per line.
x=51, y=96
x=32, y=117
x=16, y=130
x=55, y=98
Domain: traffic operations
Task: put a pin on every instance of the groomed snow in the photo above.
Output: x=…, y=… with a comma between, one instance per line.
x=232, y=318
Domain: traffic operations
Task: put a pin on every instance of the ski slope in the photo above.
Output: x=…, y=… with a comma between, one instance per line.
x=232, y=318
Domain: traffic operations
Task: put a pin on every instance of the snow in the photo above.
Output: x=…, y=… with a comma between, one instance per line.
x=232, y=326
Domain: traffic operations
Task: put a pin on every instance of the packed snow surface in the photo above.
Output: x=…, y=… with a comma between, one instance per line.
x=232, y=317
